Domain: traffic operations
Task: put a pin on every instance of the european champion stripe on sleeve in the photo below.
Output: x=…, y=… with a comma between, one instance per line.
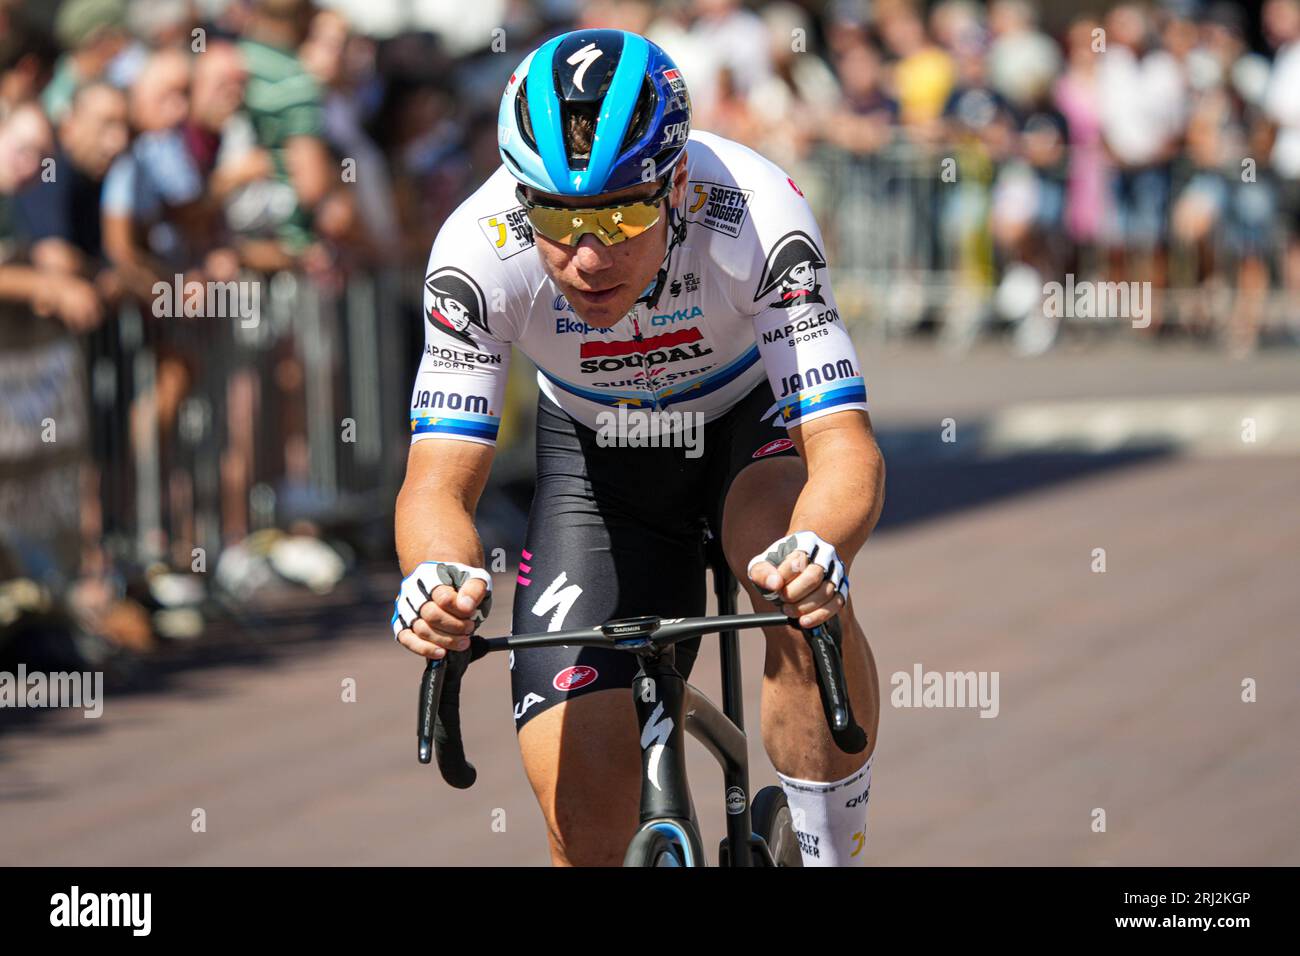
x=854, y=391
x=481, y=426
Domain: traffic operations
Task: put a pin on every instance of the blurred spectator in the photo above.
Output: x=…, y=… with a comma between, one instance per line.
x=25, y=140
x=923, y=73
x=325, y=54
x=737, y=45
x=794, y=103
x=1281, y=19
x=93, y=32
x=154, y=25
x=671, y=29
x=152, y=194
x=27, y=56
x=40, y=379
x=1023, y=62
x=60, y=216
x=1142, y=104
x=1143, y=108
x=284, y=104
x=1078, y=99
x=865, y=115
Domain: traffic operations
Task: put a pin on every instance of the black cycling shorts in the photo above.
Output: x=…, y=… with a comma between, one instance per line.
x=619, y=532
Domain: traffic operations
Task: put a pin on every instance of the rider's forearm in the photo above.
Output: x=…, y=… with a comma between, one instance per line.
x=435, y=521
x=844, y=494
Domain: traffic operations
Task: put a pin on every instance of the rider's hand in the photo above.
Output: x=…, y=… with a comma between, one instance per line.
x=439, y=606
x=804, y=573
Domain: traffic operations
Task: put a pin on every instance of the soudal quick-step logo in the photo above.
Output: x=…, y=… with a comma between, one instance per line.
x=718, y=207
x=681, y=345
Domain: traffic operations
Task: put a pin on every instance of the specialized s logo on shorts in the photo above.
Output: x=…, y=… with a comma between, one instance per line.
x=456, y=305
x=791, y=272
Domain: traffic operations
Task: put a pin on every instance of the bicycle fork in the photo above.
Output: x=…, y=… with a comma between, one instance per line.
x=666, y=707
x=659, y=693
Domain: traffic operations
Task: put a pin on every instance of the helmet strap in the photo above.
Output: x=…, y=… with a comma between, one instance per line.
x=676, y=235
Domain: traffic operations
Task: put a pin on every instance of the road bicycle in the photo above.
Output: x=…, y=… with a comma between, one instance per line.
x=667, y=707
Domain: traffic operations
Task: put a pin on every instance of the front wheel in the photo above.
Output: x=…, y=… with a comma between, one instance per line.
x=657, y=846
x=770, y=818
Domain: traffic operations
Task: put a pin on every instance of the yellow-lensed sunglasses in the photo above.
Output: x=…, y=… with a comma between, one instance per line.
x=609, y=224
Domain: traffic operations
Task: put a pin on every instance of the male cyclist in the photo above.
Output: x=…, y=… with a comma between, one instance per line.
x=644, y=268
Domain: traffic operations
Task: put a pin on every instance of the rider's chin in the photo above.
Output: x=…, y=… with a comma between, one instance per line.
x=597, y=303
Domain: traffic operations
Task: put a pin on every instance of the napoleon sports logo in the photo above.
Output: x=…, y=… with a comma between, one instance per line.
x=456, y=304
x=791, y=272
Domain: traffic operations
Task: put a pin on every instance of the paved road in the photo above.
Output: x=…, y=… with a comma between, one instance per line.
x=1119, y=691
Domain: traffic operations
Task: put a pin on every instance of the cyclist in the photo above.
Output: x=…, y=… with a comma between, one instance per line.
x=647, y=270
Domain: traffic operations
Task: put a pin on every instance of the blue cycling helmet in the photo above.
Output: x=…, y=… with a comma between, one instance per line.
x=628, y=87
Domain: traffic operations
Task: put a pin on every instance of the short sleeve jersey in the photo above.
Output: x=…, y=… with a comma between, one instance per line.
x=743, y=294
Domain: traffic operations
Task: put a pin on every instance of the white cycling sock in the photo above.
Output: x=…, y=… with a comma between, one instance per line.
x=830, y=819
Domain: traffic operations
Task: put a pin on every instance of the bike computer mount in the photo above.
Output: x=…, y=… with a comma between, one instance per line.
x=632, y=630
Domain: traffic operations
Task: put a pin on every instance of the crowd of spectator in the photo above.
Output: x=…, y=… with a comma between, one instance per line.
x=209, y=139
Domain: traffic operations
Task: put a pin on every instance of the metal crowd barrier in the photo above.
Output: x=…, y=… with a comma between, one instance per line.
x=300, y=414
x=904, y=244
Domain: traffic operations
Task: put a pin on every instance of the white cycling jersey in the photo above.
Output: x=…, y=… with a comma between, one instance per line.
x=743, y=293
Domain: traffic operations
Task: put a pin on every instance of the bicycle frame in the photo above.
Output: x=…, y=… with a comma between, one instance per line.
x=666, y=706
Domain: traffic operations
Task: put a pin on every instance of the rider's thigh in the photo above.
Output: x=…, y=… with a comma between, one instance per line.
x=584, y=763
x=757, y=509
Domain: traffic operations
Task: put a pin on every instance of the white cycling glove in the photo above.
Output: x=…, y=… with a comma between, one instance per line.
x=820, y=553
x=420, y=584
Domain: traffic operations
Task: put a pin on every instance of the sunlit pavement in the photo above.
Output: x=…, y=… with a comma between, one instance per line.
x=1118, y=692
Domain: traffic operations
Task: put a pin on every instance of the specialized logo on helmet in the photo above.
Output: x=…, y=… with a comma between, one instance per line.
x=791, y=272
x=456, y=304
x=586, y=56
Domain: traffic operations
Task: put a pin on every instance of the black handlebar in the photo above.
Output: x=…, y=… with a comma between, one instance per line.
x=439, y=715
x=825, y=643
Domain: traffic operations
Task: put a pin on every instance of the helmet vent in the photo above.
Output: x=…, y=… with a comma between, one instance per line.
x=523, y=119
x=643, y=112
